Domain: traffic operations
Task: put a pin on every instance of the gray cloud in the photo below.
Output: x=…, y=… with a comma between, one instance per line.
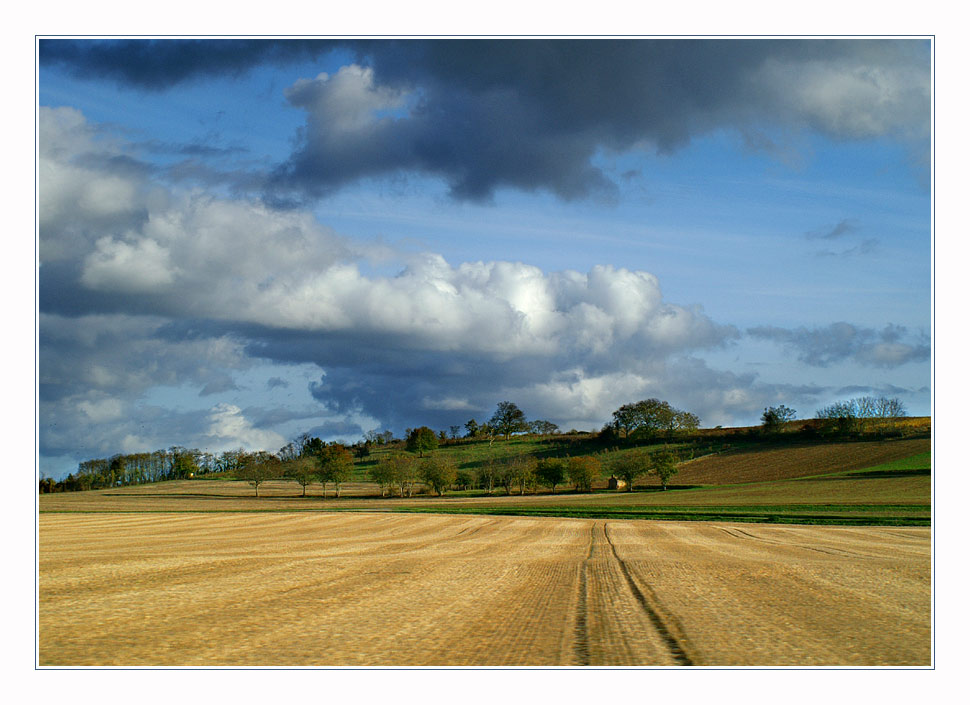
x=866, y=247
x=191, y=289
x=831, y=232
x=484, y=115
x=144, y=285
x=889, y=390
x=158, y=64
x=820, y=347
x=845, y=228
x=275, y=382
x=223, y=383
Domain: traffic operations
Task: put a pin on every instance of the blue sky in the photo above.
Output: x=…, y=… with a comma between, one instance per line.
x=243, y=241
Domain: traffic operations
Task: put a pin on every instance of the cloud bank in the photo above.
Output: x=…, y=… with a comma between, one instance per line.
x=143, y=285
x=820, y=347
x=485, y=115
x=147, y=285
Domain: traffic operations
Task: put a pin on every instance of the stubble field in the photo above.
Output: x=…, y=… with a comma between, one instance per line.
x=321, y=589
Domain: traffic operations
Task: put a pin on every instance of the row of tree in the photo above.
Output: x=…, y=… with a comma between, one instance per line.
x=175, y=463
x=402, y=474
x=842, y=416
x=308, y=459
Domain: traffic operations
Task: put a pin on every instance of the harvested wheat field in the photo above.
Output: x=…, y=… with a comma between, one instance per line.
x=398, y=590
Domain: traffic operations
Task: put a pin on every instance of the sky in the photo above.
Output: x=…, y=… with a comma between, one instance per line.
x=242, y=240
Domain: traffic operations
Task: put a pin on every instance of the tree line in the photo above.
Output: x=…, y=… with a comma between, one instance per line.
x=845, y=416
x=309, y=460
x=175, y=463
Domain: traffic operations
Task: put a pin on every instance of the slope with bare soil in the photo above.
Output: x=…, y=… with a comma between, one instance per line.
x=381, y=589
x=766, y=464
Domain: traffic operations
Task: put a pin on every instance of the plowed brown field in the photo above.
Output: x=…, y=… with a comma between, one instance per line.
x=770, y=464
x=396, y=590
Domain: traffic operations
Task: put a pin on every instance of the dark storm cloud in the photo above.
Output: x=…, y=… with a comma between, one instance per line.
x=533, y=114
x=838, y=342
x=157, y=64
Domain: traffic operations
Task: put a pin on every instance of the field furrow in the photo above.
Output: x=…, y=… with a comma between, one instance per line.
x=744, y=601
x=432, y=590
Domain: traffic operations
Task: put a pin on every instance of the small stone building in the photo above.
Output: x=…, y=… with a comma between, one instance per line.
x=616, y=483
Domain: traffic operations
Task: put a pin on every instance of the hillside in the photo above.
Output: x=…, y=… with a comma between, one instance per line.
x=768, y=464
x=784, y=480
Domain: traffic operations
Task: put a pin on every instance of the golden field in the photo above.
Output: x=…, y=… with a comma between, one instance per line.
x=383, y=589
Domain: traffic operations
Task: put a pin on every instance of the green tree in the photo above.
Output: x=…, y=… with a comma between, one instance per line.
x=406, y=474
x=664, y=465
x=362, y=449
x=260, y=467
x=309, y=445
x=471, y=426
x=650, y=418
x=551, y=472
x=420, y=440
x=336, y=466
x=774, y=417
x=438, y=473
x=304, y=470
x=645, y=418
x=508, y=419
x=543, y=428
x=630, y=466
x=487, y=473
x=583, y=471
x=685, y=422
x=506, y=474
x=841, y=416
x=183, y=462
x=487, y=430
x=525, y=475
x=463, y=479
x=384, y=473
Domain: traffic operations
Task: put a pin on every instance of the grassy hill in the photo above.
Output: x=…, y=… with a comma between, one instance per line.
x=734, y=475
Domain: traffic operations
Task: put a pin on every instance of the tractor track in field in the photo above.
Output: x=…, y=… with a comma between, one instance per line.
x=745, y=536
x=665, y=627
x=377, y=590
x=599, y=539
x=581, y=629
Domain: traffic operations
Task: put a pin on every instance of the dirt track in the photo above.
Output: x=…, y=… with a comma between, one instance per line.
x=383, y=590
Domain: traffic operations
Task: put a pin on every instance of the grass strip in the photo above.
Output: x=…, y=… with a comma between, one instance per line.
x=682, y=515
x=762, y=515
